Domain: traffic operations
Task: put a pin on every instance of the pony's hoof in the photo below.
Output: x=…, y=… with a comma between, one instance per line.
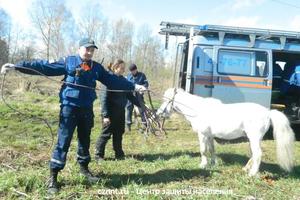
x=202, y=165
x=214, y=163
x=252, y=174
x=245, y=169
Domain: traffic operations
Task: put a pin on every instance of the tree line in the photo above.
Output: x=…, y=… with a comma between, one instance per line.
x=56, y=32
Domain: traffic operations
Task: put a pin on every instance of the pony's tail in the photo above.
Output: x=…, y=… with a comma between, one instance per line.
x=285, y=137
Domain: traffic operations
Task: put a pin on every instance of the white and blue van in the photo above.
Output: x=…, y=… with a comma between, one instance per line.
x=236, y=64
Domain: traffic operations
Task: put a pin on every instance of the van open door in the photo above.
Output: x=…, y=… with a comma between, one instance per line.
x=202, y=71
x=242, y=75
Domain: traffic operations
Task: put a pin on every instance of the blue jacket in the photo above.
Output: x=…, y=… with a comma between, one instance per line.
x=115, y=101
x=295, y=78
x=139, y=78
x=70, y=67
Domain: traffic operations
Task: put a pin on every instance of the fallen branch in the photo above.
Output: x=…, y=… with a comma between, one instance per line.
x=20, y=193
x=153, y=124
x=8, y=166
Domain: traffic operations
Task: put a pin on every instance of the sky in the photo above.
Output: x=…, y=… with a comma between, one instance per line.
x=270, y=14
x=254, y=13
x=275, y=14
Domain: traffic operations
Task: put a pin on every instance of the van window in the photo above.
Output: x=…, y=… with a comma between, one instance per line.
x=261, y=64
x=245, y=63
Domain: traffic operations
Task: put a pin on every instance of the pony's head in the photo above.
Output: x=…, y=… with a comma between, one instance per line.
x=168, y=102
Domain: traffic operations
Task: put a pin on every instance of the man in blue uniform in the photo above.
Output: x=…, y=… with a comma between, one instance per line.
x=135, y=77
x=77, y=95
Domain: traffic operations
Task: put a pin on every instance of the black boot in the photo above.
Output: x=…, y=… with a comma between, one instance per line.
x=53, y=185
x=99, y=158
x=84, y=170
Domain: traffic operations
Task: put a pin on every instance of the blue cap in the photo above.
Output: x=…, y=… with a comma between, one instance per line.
x=87, y=42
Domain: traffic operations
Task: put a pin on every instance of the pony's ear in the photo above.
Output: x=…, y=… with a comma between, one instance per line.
x=169, y=93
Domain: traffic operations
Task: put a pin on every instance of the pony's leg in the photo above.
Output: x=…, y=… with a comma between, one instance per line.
x=203, y=150
x=248, y=165
x=256, y=155
x=211, y=149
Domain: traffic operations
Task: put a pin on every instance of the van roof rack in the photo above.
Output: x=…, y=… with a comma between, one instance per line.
x=180, y=29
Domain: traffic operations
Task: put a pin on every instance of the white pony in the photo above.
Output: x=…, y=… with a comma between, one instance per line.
x=210, y=118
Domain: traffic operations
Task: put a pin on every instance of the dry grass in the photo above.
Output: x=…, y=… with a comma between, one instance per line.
x=153, y=169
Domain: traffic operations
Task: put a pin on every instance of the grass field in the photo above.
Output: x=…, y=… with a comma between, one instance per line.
x=153, y=169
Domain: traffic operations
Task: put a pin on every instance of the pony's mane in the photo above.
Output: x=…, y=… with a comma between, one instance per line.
x=197, y=98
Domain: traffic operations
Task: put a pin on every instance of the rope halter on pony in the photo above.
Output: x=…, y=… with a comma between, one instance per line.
x=169, y=104
x=163, y=112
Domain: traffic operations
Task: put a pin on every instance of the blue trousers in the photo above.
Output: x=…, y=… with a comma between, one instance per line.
x=70, y=118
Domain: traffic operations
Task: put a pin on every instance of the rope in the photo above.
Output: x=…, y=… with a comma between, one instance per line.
x=40, y=118
x=151, y=118
x=172, y=100
x=74, y=84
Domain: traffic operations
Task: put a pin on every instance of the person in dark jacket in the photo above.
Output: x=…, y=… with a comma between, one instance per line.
x=113, y=115
x=140, y=78
x=77, y=95
x=290, y=90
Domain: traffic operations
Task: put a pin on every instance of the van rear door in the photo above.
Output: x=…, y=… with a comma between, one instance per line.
x=202, y=71
x=242, y=75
